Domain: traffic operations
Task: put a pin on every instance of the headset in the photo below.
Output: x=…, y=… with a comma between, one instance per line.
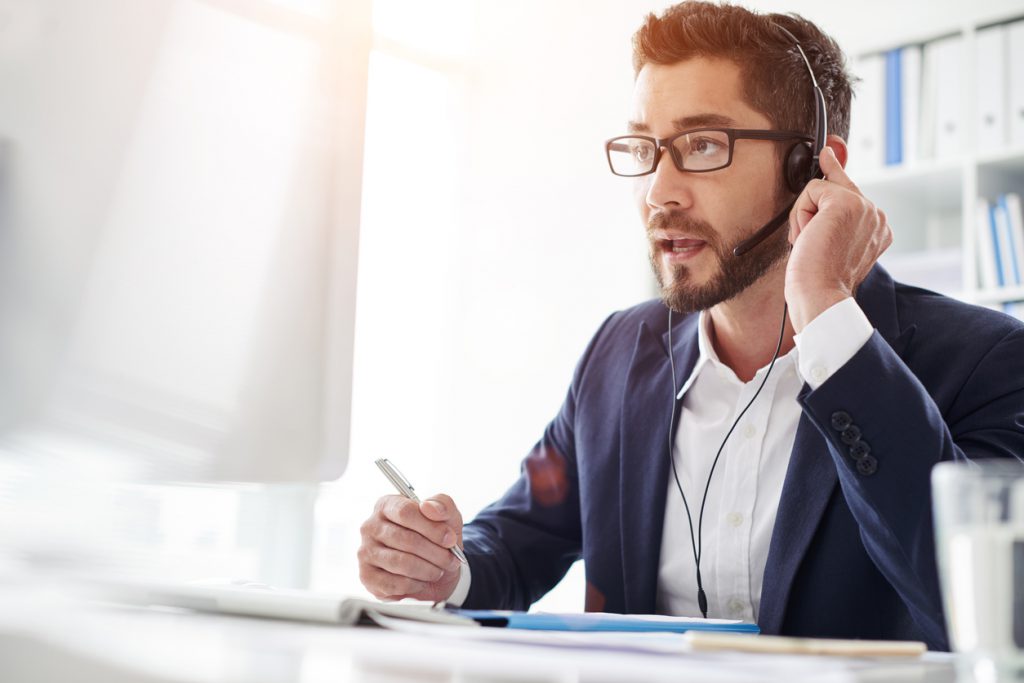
x=802, y=161
x=800, y=167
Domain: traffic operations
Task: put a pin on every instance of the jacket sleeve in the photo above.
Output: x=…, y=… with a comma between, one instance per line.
x=885, y=432
x=521, y=546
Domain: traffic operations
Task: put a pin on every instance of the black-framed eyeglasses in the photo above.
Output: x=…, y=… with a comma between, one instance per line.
x=694, y=151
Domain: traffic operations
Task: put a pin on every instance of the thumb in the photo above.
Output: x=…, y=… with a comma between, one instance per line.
x=834, y=171
x=438, y=508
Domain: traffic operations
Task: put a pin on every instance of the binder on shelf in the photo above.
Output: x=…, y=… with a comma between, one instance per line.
x=867, y=120
x=893, y=108
x=1015, y=214
x=929, y=100
x=1015, y=89
x=944, y=64
x=985, y=231
x=990, y=87
x=1000, y=239
x=910, y=82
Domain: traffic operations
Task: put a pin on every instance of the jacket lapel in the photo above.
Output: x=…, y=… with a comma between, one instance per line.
x=810, y=480
x=811, y=476
x=643, y=466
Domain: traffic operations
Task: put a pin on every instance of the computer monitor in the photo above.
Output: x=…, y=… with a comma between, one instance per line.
x=179, y=210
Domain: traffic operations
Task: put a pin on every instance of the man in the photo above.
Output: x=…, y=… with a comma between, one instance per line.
x=789, y=483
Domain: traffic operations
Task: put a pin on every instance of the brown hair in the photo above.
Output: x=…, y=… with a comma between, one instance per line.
x=775, y=78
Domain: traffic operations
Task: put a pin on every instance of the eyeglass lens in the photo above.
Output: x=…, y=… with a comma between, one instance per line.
x=703, y=150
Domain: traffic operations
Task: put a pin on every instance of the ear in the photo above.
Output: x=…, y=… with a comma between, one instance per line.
x=838, y=146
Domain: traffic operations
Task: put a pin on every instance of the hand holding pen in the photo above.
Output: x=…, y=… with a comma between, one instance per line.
x=410, y=549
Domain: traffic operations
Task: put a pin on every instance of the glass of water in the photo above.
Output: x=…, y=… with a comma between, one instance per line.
x=979, y=525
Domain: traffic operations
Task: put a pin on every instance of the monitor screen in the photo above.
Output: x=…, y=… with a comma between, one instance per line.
x=179, y=210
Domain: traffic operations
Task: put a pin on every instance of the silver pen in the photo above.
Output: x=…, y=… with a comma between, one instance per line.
x=405, y=488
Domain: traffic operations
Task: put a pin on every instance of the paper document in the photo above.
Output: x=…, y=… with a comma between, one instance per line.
x=270, y=603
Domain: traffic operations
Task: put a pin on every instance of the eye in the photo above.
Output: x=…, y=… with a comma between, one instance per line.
x=707, y=147
x=704, y=150
x=641, y=152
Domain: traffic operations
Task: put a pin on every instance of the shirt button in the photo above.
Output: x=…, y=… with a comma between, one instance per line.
x=736, y=607
x=819, y=373
x=750, y=431
x=734, y=519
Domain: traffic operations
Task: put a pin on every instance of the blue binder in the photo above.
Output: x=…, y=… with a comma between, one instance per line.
x=598, y=621
x=893, y=108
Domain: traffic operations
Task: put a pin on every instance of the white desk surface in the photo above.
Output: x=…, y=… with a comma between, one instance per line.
x=44, y=639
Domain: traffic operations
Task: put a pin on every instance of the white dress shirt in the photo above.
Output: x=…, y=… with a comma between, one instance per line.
x=744, y=493
x=743, y=497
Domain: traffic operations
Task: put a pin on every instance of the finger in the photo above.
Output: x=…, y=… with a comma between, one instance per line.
x=441, y=508
x=794, y=226
x=834, y=171
x=405, y=512
x=808, y=203
x=409, y=541
x=400, y=563
x=384, y=585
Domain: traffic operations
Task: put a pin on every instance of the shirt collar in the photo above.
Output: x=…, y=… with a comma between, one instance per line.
x=707, y=355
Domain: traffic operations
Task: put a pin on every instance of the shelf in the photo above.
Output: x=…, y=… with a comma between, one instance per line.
x=935, y=184
x=915, y=173
x=922, y=201
x=939, y=270
x=999, y=173
x=998, y=296
x=1008, y=161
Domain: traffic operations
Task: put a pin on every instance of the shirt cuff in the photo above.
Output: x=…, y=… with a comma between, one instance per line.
x=458, y=596
x=830, y=340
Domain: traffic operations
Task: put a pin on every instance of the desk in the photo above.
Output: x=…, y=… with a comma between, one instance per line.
x=47, y=638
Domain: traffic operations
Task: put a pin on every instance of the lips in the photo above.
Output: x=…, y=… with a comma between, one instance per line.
x=677, y=250
x=682, y=246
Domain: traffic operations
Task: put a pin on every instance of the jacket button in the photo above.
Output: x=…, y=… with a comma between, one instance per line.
x=841, y=420
x=859, y=450
x=867, y=465
x=850, y=435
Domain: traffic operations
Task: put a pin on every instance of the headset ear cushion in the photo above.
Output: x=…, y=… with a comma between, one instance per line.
x=798, y=167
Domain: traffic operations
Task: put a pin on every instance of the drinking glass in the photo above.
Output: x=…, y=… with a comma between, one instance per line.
x=979, y=526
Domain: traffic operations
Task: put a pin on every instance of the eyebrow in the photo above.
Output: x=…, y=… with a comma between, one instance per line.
x=686, y=122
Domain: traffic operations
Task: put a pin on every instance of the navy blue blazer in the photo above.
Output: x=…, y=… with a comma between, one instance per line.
x=852, y=552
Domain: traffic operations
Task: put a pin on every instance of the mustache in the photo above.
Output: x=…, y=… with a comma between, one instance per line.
x=678, y=221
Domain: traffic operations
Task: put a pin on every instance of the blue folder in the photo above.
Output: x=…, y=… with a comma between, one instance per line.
x=893, y=107
x=597, y=621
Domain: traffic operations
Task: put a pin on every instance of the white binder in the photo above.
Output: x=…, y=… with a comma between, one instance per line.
x=987, y=265
x=867, y=118
x=1005, y=256
x=910, y=58
x=990, y=90
x=944, y=65
x=1015, y=62
x=1014, y=214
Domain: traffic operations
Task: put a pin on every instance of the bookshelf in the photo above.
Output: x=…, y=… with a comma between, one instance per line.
x=932, y=202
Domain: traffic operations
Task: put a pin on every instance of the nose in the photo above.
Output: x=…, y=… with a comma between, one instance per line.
x=667, y=188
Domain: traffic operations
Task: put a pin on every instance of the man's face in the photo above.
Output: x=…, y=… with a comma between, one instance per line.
x=695, y=220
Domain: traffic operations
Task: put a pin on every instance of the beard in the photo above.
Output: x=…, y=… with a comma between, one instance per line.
x=733, y=275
